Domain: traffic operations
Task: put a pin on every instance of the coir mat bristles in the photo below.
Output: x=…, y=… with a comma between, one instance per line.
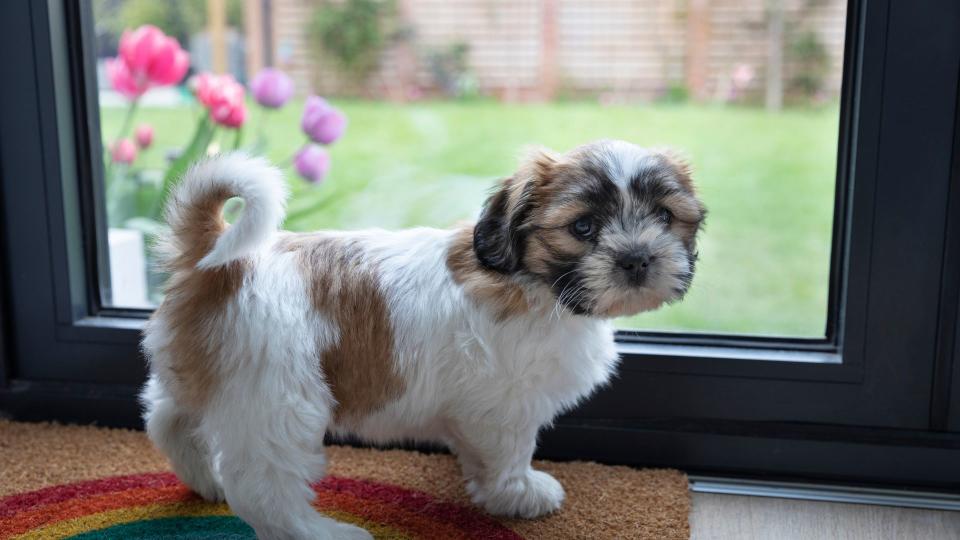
x=86, y=482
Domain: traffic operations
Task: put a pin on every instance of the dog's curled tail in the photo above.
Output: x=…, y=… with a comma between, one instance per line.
x=200, y=236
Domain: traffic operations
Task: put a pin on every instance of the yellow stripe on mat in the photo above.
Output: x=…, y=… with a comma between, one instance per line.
x=110, y=518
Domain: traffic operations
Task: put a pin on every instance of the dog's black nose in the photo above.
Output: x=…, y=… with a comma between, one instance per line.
x=637, y=260
x=635, y=265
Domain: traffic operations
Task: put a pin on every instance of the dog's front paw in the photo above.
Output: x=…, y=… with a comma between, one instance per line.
x=211, y=492
x=316, y=527
x=203, y=483
x=529, y=496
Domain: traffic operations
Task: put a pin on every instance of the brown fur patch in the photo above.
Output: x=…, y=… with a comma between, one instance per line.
x=485, y=287
x=681, y=166
x=193, y=306
x=344, y=286
x=688, y=216
x=546, y=246
x=687, y=208
x=195, y=228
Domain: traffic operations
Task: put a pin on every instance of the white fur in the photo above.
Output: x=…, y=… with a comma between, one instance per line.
x=485, y=388
x=624, y=160
x=253, y=179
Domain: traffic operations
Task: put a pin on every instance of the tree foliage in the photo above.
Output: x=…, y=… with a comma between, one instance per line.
x=178, y=18
x=352, y=33
x=811, y=65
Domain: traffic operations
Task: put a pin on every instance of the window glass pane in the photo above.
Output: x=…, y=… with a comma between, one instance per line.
x=440, y=99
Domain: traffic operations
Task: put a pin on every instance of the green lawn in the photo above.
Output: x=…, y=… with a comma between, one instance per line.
x=767, y=180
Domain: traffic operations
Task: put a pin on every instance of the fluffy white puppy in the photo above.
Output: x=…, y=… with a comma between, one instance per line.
x=474, y=337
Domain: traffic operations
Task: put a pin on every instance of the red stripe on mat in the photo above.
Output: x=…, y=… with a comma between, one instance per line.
x=14, y=503
x=465, y=518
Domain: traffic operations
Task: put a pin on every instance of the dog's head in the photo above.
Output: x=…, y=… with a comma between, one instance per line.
x=610, y=227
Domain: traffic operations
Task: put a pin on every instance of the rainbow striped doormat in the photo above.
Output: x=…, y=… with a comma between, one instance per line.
x=157, y=505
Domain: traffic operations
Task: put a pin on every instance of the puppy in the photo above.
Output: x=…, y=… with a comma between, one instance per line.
x=475, y=337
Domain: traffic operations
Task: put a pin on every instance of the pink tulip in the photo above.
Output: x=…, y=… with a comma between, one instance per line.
x=147, y=58
x=144, y=136
x=223, y=97
x=322, y=122
x=202, y=85
x=123, y=151
x=312, y=163
x=227, y=106
x=151, y=54
x=271, y=88
x=123, y=81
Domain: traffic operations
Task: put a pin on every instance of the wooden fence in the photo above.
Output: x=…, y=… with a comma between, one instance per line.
x=541, y=49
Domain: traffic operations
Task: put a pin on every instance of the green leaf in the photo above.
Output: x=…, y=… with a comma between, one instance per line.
x=295, y=215
x=194, y=151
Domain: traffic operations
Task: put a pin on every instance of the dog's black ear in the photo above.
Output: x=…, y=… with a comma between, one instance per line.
x=493, y=241
x=501, y=233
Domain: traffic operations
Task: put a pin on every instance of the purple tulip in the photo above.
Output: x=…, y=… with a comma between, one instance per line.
x=322, y=122
x=312, y=163
x=271, y=88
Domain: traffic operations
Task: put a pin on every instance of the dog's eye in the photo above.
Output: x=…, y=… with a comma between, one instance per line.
x=664, y=215
x=583, y=227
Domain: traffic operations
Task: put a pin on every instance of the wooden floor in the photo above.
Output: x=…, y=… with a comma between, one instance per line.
x=739, y=517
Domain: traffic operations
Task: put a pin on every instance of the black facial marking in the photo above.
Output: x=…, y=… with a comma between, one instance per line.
x=567, y=285
x=599, y=193
x=650, y=186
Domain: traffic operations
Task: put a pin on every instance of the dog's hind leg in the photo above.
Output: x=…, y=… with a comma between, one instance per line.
x=175, y=432
x=269, y=425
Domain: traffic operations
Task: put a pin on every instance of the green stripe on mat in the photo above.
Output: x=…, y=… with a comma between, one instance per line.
x=180, y=528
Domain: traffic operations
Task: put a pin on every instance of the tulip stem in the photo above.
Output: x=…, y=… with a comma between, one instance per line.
x=238, y=138
x=260, y=140
x=127, y=120
x=283, y=164
x=124, y=128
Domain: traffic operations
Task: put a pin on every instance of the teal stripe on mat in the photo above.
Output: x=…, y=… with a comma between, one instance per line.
x=178, y=528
